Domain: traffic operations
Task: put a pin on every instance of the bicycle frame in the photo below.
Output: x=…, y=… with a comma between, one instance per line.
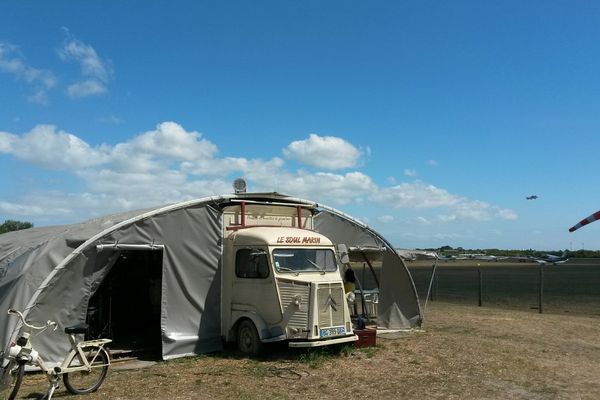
x=77, y=351
x=22, y=352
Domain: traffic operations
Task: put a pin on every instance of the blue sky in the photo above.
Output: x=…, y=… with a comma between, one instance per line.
x=430, y=121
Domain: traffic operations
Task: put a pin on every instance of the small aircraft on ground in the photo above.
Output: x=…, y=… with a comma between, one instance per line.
x=552, y=259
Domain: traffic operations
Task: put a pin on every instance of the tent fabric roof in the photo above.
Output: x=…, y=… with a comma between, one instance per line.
x=32, y=260
x=14, y=244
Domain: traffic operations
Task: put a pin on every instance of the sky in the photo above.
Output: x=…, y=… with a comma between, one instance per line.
x=429, y=121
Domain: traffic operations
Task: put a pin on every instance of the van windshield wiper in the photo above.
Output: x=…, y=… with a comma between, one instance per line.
x=317, y=266
x=288, y=270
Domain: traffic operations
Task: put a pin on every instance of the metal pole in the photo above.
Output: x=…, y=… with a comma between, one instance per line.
x=541, y=294
x=371, y=268
x=429, y=289
x=480, y=285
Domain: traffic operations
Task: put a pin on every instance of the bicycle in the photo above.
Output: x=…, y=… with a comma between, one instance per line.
x=83, y=369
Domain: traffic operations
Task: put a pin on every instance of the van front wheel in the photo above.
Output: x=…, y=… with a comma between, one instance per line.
x=248, y=341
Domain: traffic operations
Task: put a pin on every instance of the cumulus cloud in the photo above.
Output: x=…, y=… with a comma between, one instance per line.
x=410, y=172
x=386, y=219
x=170, y=164
x=418, y=195
x=171, y=141
x=13, y=62
x=46, y=146
x=327, y=152
x=20, y=209
x=7, y=141
x=506, y=213
x=95, y=72
x=86, y=88
x=415, y=195
x=335, y=188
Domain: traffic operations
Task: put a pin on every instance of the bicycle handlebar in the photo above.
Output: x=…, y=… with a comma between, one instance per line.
x=39, y=328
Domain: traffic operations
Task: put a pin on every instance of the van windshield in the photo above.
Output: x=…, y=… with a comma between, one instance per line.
x=299, y=260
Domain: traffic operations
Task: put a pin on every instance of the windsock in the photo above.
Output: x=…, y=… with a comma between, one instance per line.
x=585, y=221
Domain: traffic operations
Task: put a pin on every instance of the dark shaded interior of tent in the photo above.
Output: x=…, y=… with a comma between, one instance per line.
x=126, y=306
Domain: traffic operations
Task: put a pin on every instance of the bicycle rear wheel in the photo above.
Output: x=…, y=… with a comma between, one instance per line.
x=16, y=370
x=81, y=382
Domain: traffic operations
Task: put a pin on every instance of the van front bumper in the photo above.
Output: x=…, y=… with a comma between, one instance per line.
x=324, y=342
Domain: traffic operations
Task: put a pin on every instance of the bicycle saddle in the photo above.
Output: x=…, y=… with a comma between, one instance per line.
x=79, y=328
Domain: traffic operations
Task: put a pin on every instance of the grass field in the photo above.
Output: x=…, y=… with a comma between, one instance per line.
x=573, y=287
x=503, y=350
x=463, y=352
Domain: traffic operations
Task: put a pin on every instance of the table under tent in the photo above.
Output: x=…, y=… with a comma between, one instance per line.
x=151, y=278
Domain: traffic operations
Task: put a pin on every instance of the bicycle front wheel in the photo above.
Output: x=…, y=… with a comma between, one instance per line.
x=16, y=370
x=81, y=382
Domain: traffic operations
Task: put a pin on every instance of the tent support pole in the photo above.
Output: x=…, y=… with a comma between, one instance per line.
x=370, y=267
x=299, y=211
x=243, y=212
x=429, y=293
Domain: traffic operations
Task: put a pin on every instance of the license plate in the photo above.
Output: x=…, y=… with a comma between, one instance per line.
x=327, y=332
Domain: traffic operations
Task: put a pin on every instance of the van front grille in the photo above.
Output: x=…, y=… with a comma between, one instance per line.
x=330, y=302
x=288, y=290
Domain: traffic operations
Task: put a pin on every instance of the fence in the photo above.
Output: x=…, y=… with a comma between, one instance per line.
x=568, y=288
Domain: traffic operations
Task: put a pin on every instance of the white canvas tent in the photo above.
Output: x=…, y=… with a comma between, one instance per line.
x=54, y=272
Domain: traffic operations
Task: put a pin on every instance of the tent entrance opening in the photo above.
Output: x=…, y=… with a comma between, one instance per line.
x=126, y=307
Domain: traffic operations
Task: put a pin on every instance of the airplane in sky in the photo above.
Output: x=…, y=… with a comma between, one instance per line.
x=532, y=197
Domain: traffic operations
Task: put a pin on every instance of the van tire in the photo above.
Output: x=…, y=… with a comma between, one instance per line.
x=248, y=341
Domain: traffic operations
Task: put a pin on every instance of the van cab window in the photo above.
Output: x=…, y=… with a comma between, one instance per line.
x=251, y=263
x=299, y=260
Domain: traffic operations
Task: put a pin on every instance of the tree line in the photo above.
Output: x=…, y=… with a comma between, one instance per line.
x=11, y=225
x=449, y=250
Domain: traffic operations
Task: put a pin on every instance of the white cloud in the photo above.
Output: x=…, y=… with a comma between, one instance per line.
x=170, y=164
x=446, y=218
x=39, y=97
x=327, y=152
x=171, y=141
x=111, y=119
x=508, y=214
x=86, y=88
x=386, y=219
x=418, y=195
x=410, y=172
x=46, y=146
x=95, y=71
x=328, y=187
x=432, y=163
x=91, y=64
x=7, y=141
x=20, y=209
x=415, y=195
x=423, y=220
x=12, y=62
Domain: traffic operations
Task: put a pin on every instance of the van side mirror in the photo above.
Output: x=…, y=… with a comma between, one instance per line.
x=343, y=253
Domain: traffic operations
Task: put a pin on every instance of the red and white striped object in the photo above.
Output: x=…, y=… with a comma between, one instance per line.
x=585, y=221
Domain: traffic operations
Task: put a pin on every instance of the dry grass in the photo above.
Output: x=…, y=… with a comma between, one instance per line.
x=463, y=352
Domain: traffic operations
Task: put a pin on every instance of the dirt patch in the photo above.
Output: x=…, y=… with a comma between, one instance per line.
x=462, y=352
